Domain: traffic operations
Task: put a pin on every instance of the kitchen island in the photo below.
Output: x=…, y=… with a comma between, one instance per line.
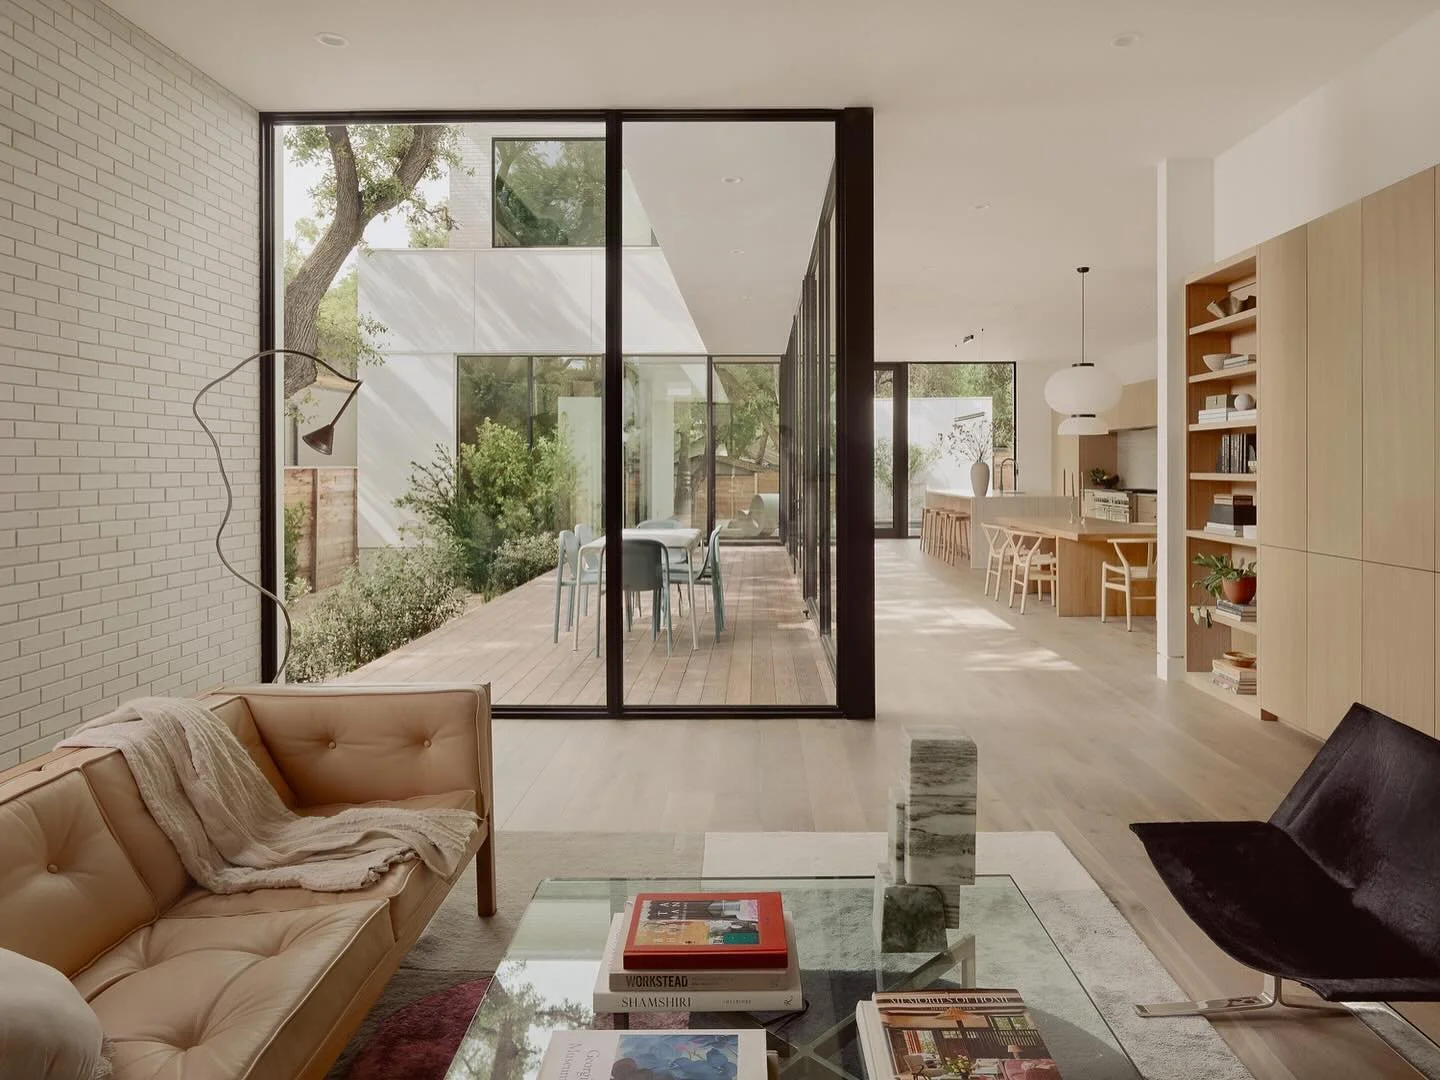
x=1082, y=548
x=984, y=509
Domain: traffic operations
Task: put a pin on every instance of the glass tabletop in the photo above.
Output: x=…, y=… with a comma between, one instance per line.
x=546, y=980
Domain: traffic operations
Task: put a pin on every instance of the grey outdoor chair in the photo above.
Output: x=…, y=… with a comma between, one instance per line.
x=573, y=571
x=644, y=568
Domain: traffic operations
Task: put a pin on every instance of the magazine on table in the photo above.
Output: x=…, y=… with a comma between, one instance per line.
x=947, y=1034
x=655, y=1055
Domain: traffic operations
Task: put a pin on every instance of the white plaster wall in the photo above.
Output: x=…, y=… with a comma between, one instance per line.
x=1033, y=421
x=405, y=408
x=1371, y=126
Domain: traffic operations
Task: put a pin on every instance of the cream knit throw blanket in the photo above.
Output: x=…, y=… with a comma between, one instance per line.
x=229, y=825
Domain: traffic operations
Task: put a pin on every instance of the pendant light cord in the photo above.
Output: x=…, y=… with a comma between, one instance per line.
x=1082, y=271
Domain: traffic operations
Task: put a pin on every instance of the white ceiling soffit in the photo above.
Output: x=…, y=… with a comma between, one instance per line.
x=735, y=207
x=1028, y=109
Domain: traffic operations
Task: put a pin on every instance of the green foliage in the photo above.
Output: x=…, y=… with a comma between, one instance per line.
x=748, y=426
x=521, y=559
x=549, y=192
x=395, y=597
x=921, y=458
x=295, y=518
x=433, y=233
x=1219, y=570
x=378, y=150
x=499, y=488
x=995, y=381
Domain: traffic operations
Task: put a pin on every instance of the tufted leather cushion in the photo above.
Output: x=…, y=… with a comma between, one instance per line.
x=149, y=848
x=235, y=711
x=406, y=886
x=68, y=891
x=240, y=997
x=329, y=741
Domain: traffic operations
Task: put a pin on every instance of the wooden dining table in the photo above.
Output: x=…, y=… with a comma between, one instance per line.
x=1082, y=547
x=682, y=540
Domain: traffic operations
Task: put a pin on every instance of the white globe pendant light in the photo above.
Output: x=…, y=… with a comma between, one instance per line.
x=1082, y=391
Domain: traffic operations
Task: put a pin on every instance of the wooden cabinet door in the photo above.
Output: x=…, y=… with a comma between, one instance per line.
x=1333, y=658
x=1281, y=398
x=1398, y=368
x=1281, y=594
x=1334, y=384
x=1397, y=631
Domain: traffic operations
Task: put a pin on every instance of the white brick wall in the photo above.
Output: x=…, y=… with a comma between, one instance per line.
x=129, y=276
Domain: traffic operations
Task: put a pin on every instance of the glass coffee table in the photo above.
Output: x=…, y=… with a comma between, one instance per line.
x=546, y=980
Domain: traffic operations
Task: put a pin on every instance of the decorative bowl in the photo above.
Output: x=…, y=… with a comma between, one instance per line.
x=1241, y=659
x=1216, y=360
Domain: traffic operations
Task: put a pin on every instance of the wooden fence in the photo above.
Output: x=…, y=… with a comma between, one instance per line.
x=328, y=542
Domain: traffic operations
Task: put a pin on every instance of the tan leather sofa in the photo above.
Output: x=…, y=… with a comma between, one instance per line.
x=251, y=986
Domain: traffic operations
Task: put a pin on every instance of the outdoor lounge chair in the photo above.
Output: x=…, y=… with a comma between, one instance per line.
x=1339, y=890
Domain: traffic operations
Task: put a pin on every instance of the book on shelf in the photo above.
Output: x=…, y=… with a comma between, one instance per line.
x=1216, y=528
x=946, y=1033
x=1243, y=675
x=1232, y=498
x=1242, y=416
x=1233, y=686
x=1244, y=612
x=1232, y=513
x=602, y=1055
x=618, y=990
x=1238, y=360
x=680, y=931
x=1237, y=453
x=1212, y=416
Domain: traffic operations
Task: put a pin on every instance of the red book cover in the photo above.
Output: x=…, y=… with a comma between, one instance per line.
x=696, y=931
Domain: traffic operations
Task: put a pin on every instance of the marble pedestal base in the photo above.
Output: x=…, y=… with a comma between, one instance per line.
x=908, y=918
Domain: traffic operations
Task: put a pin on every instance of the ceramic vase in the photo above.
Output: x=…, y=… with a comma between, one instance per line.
x=980, y=479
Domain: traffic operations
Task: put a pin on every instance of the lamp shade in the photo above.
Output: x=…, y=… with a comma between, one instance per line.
x=1082, y=389
x=321, y=439
x=1082, y=425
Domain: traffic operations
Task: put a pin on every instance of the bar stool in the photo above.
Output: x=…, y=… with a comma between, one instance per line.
x=927, y=530
x=961, y=525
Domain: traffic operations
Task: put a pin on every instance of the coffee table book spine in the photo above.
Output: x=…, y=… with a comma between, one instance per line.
x=788, y=998
x=652, y=913
x=649, y=982
x=578, y=1055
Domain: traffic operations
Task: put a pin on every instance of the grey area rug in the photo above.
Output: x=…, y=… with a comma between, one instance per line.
x=1105, y=954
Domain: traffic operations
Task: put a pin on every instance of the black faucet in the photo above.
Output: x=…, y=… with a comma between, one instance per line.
x=1000, y=474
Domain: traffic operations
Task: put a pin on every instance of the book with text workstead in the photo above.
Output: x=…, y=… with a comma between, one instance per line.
x=623, y=979
x=939, y=1033
x=684, y=931
x=655, y=1055
x=725, y=991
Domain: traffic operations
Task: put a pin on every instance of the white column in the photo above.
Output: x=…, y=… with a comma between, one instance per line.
x=1185, y=239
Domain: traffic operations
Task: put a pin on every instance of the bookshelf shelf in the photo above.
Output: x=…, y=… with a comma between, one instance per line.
x=1229, y=425
x=1226, y=477
x=1249, y=704
x=1232, y=541
x=1236, y=373
x=1241, y=320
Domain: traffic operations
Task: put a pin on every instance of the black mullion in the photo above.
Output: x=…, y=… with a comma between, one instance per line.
x=613, y=457
x=900, y=393
x=855, y=293
x=709, y=446
x=270, y=568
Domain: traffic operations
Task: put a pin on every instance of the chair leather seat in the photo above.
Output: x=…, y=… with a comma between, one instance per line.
x=232, y=997
x=1260, y=897
x=404, y=887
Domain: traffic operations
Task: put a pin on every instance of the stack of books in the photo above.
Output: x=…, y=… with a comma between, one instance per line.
x=682, y=1055
x=1237, y=453
x=1238, y=360
x=1220, y=409
x=1234, y=679
x=1230, y=515
x=1243, y=612
x=700, y=952
x=951, y=1033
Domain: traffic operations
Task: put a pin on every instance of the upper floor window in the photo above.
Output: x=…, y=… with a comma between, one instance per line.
x=549, y=192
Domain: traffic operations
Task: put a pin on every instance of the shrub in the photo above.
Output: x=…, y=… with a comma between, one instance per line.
x=295, y=519
x=521, y=559
x=394, y=597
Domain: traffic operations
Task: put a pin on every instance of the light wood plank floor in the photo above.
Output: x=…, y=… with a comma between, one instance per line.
x=769, y=653
x=1076, y=736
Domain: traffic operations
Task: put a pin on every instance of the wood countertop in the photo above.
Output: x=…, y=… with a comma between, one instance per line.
x=1090, y=530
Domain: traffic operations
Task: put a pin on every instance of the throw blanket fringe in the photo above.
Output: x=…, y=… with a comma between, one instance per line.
x=230, y=827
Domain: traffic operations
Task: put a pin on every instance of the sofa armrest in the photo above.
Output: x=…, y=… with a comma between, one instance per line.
x=356, y=744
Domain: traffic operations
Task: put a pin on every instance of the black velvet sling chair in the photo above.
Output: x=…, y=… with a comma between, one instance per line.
x=1339, y=891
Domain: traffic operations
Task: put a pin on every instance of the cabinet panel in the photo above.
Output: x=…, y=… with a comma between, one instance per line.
x=1281, y=354
x=1398, y=367
x=1333, y=383
x=1397, y=628
x=1281, y=593
x=1333, y=661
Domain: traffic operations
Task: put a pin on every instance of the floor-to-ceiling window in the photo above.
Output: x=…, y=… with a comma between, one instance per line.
x=487, y=478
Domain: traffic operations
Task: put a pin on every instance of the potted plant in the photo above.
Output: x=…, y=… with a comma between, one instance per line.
x=1101, y=479
x=969, y=441
x=1235, y=581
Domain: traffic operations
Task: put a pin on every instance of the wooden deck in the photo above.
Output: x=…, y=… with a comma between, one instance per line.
x=769, y=654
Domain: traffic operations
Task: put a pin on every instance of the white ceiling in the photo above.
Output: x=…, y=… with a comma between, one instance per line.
x=1024, y=105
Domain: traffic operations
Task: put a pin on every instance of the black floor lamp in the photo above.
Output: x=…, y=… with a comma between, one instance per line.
x=322, y=440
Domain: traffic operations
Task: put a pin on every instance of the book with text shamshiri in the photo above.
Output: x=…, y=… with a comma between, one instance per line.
x=734, y=990
x=655, y=1055
x=684, y=931
x=946, y=1033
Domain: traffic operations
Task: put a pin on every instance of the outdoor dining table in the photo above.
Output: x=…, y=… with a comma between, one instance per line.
x=682, y=540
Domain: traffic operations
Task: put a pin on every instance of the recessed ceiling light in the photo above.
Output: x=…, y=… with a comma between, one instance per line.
x=1127, y=39
x=732, y=179
x=980, y=206
x=737, y=251
x=332, y=41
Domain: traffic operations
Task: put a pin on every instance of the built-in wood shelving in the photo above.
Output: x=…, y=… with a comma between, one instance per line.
x=1240, y=372
x=1226, y=477
x=1241, y=320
